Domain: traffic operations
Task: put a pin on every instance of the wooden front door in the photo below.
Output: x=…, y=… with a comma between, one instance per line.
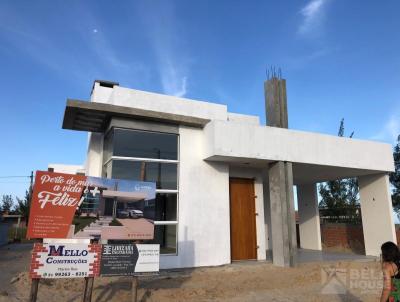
x=243, y=219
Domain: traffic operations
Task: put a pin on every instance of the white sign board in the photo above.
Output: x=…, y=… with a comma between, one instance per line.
x=65, y=260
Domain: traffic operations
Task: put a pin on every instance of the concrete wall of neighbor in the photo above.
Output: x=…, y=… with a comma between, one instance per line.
x=277, y=144
x=258, y=191
x=69, y=169
x=342, y=236
x=203, y=229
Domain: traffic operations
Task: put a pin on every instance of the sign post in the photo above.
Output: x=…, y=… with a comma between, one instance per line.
x=135, y=283
x=34, y=290
x=87, y=296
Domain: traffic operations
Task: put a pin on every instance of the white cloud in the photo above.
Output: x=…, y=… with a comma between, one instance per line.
x=162, y=29
x=390, y=130
x=313, y=16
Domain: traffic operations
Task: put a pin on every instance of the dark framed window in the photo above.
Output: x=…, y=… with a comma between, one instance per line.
x=148, y=156
x=145, y=144
x=163, y=174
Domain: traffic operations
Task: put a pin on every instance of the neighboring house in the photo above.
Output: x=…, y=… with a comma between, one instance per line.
x=69, y=169
x=224, y=181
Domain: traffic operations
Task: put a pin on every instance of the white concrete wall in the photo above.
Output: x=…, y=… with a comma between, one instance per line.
x=94, y=157
x=101, y=94
x=309, y=224
x=258, y=191
x=243, y=118
x=376, y=212
x=161, y=103
x=204, y=219
x=238, y=140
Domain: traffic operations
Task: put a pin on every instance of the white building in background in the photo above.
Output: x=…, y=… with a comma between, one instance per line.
x=224, y=181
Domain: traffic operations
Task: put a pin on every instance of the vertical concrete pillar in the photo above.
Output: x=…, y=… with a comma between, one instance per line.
x=309, y=224
x=267, y=213
x=276, y=102
x=376, y=212
x=283, y=226
x=94, y=158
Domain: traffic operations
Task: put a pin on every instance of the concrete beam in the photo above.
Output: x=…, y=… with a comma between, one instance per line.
x=309, y=224
x=76, y=112
x=283, y=225
x=376, y=212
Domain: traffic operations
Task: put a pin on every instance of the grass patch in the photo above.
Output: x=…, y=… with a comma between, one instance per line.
x=82, y=222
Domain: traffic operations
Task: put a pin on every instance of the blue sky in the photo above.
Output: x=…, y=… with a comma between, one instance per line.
x=341, y=59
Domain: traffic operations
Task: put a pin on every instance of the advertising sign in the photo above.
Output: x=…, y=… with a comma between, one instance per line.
x=124, y=208
x=65, y=260
x=54, y=202
x=129, y=259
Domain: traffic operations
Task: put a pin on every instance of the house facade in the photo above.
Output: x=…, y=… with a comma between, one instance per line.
x=224, y=181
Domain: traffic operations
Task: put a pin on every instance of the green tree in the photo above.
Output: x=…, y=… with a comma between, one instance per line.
x=23, y=206
x=7, y=203
x=395, y=178
x=340, y=197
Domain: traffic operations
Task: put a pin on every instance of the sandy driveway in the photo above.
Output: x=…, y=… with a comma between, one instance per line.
x=250, y=281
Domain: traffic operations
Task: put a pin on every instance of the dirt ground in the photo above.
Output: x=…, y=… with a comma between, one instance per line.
x=245, y=281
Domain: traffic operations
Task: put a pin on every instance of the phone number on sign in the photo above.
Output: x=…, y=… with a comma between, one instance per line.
x=66, y=274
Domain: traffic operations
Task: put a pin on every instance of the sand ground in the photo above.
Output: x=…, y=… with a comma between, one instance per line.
x=244, y=281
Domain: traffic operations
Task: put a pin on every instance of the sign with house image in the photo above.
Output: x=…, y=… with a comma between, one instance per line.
x=123, y=209
x=78, y=206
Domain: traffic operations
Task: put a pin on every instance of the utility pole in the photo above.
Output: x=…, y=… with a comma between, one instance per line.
x=31, y=188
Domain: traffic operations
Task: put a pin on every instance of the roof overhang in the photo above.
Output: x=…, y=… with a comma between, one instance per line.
x=94, y=117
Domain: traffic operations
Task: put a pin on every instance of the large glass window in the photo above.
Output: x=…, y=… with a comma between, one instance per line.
x=145, y=144
x=148, y=156
x=163, y=174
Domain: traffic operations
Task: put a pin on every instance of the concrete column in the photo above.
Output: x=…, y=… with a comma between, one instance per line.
x=376, y=212
x=283, y=226
x=267, y=213
x=276, y=102
x=94, y=158
x=309, y=224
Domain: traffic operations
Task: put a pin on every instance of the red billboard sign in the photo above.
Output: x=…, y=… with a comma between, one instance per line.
x=116, y=208
x=56, y=196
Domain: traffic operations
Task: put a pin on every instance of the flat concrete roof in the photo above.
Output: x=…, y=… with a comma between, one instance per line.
x=94, y=117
